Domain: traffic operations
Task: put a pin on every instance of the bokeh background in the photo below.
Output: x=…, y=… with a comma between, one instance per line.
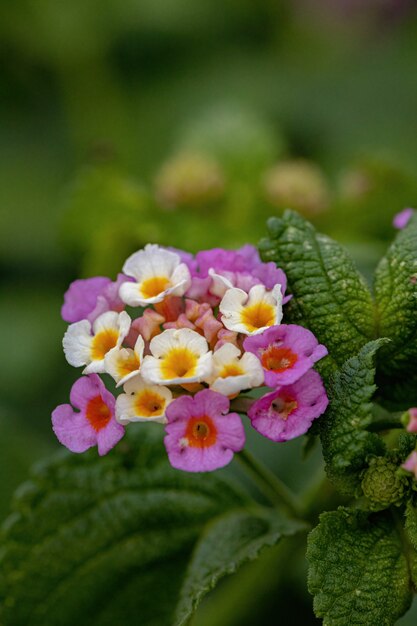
x=187, y=124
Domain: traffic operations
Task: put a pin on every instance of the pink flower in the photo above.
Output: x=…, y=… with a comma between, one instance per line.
x=201, y=435
x=148, y=325
x=90, y=297
x=402, y=218
x=412, y=420
x=198, y=316
x=243, y=268
x=411, y=463
x=94, y=424
x=288, y=411
x=240, y=268
x=286, y=352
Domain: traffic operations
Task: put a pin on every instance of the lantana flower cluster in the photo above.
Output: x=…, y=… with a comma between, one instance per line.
x=199, y=331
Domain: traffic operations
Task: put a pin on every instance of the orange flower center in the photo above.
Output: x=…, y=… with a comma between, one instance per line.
x=104, y=341
x=152, y=287
x=201, y=432
x=284, y=405
x=149, y=404
x=98, y=413
x=258, y=315
x=278, y=359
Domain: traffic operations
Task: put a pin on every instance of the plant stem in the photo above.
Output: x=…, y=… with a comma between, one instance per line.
x=270, y=485
x=385, y=424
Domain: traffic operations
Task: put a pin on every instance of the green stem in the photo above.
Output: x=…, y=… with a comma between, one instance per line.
x=270, y=485
x=385, y=424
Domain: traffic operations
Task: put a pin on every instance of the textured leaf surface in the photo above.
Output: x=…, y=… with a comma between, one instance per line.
x=346, y=443
x=228, y=542
x=411, y=523
x=396, y=299
x=411, y=538
x=104, y=541
x=330, y=296
x=358, y=571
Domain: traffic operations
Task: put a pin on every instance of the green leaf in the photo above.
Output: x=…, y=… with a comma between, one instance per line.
x=411, y=523
x=345, y=440
x=411, y=538
x=396, y=301
x=104, y=541
x=331, y=298
x=358, y=573
x=229, y=542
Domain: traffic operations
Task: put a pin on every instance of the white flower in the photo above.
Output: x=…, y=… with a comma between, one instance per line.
x=142, y=402
x=231, y=374
x=86, y=344
x=124, y=363
x=251, y=313
x=220, y=284
x=158, y=273
x=178, y=356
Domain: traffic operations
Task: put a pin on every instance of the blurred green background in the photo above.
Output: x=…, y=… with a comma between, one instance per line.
x=187, y=124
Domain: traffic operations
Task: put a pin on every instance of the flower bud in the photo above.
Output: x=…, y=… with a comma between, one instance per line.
x=383, y=484
x=189, y=181
x=297, y=185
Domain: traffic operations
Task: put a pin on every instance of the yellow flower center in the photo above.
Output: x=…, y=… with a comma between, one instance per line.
x=152, y=287
x=104, y=341
x=179, y=363
x=127, y=364
x=231, y=369
x=258, y=315
x=149, y=403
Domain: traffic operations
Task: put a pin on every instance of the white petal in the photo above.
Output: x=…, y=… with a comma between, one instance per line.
x=113, y=363
x=131, y=293
x=77, y=343
x=127, y=404
x=235, y=301
x=180, y=280
x=176, y=338
x=220, y=284
x=231, y=385
x=95, y=367
x=228, y=352
x=124, y=323
x=109, y=319
x=151, y=371
x=277, y=295
x=139, y=347
x=253, y=368
x=152, y=261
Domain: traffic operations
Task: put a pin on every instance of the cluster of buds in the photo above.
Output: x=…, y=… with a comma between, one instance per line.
x=207, y=329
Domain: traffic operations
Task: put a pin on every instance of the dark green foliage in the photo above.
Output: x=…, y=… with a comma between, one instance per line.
x=345, y=440
x=330, y=297
x=104, y=541
x=228, y=542
x=396, y=301
x=358, y=573
x=383, y=483
x=100, y=540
